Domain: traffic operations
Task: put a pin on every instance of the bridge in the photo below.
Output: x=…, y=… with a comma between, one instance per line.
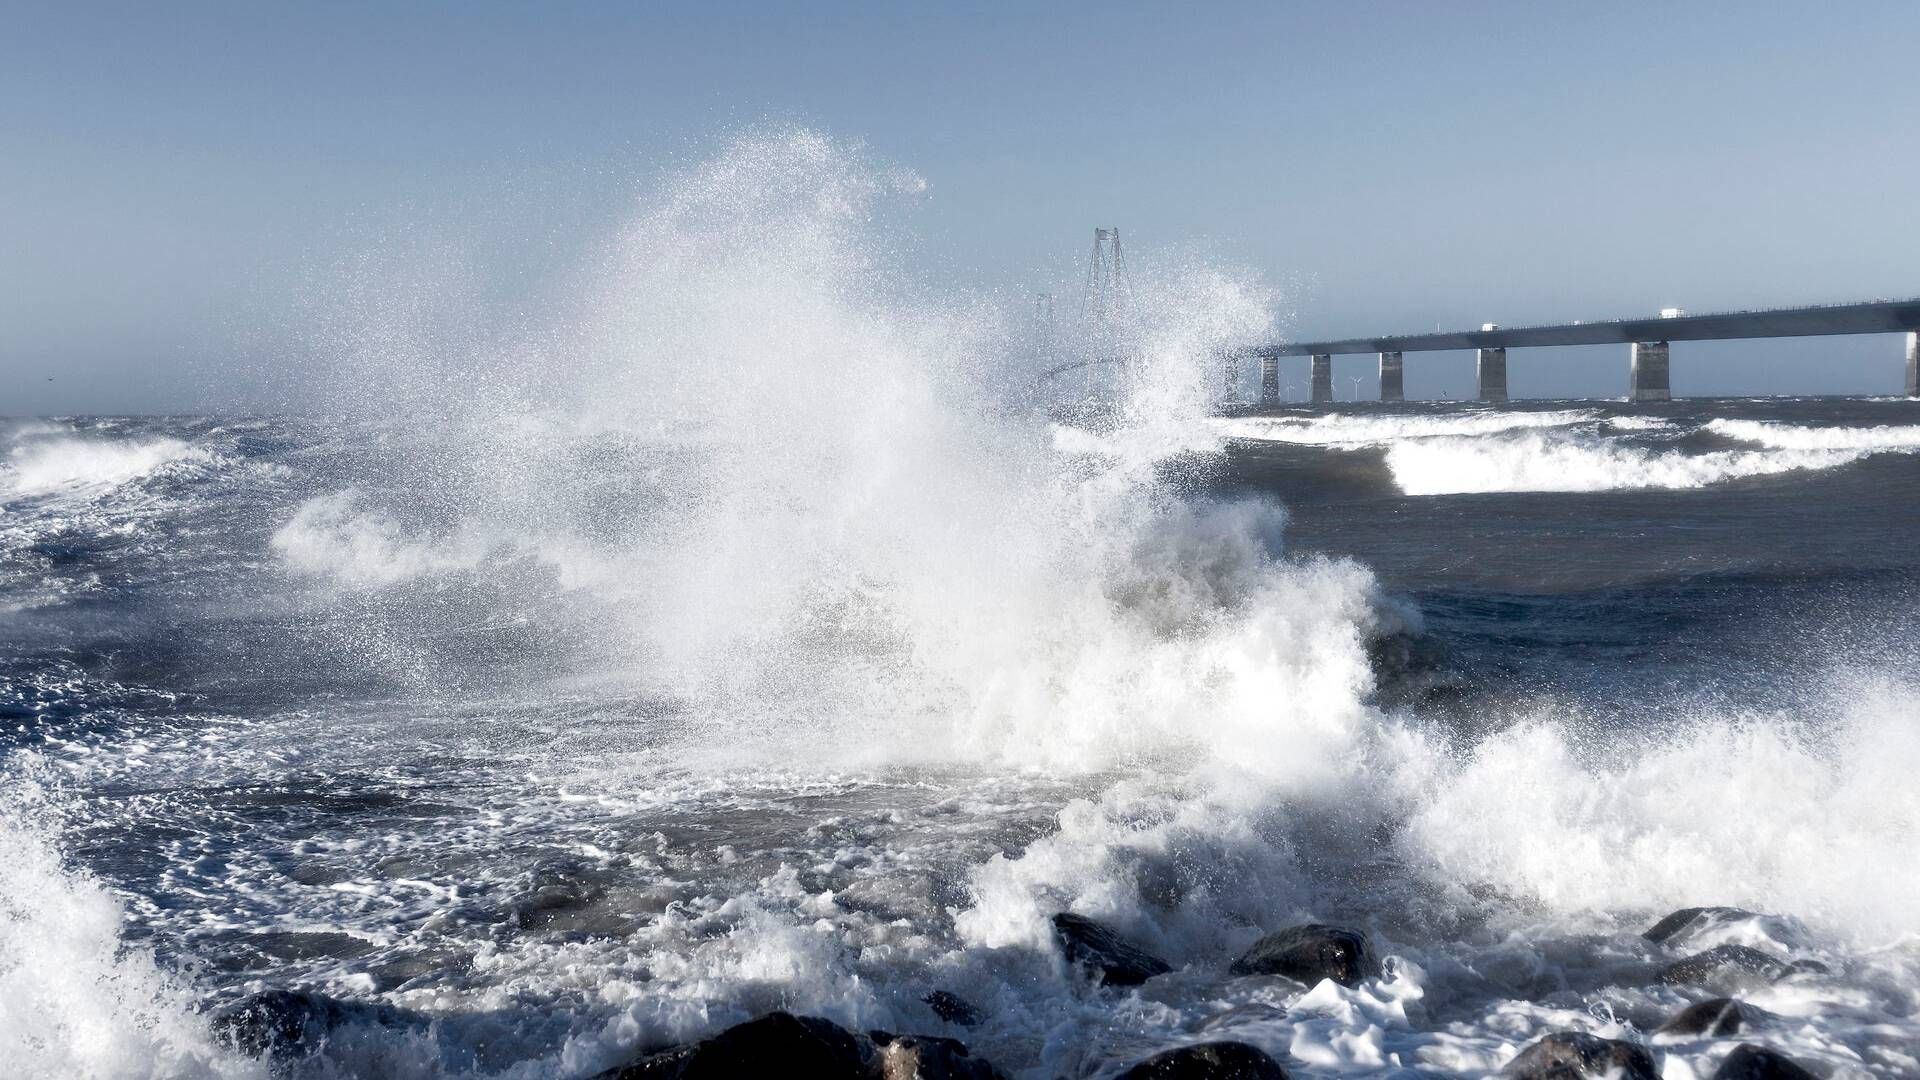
x=1648, y=341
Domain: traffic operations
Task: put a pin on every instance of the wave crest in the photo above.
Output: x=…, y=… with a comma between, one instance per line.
x=43, y=466
x=1570, y=463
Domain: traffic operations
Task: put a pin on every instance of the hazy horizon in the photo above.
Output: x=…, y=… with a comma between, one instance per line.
x=189, y=193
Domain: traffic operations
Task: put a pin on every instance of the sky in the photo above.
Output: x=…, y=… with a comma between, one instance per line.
x=171, y=175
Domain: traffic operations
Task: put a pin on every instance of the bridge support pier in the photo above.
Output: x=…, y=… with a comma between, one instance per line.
x=1913, y=363
x=1647, y=379
x=1391, y=386
x=1322, y=377
x=1493, y=374
x=1269, y=380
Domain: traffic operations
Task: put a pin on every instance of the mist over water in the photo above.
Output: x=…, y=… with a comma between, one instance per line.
x=752, y=630
x=825, y=500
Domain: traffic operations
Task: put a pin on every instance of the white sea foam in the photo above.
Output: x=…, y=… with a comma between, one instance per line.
x=1762, y=812
x=1536, y=462
x=1338, y=429
x=74, y=999
x=1639, y=423
x=330, y=535
x=40, y=466
x=1800, y=437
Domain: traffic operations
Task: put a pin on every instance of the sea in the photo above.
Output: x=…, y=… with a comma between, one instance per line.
x=755, y=633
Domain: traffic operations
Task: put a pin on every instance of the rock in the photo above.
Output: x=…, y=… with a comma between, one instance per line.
x=778, y=1044
x=1575, y=1055
x=1750, y=1062
x=894, y=897
x=953, y=1008
x=1725, y=964
x=1091, y=946
x=288, y=1023
x=1310, y=953
x=929, y=1057
x=1715, y=1017
x=1692, y=919
x=557, y=890
x=1208, y=1061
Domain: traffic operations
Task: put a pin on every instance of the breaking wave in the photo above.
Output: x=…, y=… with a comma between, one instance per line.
x=1799, y=437
x=1458, y=466
x=1335, y=429
x=1613, y=826
x=53, y=464
x=75, y=999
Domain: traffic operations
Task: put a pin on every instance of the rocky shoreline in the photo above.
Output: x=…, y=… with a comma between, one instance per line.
x=285, y=1025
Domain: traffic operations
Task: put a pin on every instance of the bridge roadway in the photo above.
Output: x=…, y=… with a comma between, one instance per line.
x=1649, y=338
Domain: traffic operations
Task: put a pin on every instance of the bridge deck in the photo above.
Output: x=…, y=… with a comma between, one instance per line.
x=1873, y=317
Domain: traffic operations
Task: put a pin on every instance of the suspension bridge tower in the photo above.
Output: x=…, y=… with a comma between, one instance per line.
x=1108, y=293
x=1043, y=329
x=1104, y=308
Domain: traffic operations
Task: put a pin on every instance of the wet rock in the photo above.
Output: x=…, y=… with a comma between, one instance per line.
x=1100, y=951
x=1410, y=667
x=1750, y=1062
x=1724, y=964
x=558, y=888
x=1715, y=1017
x=292, y=1023
x=778, y=1044
x=309, y=945
x=929, y=1057
x=1575, y=1055
x=1692, y=920
x=1208, y=1061
x=901, y=897
x=953, y=1008
x=1310, y=953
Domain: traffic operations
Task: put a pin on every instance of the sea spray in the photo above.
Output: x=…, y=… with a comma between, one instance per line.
x=847, y=527
x=75, y=1000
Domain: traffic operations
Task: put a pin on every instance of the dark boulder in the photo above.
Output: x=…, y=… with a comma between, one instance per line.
x=1725, y=964
x=1715, y=1017
x=1689, y=920
x=1575, y=1055
x=929, y=1057
x=1100, y=951
x=290, y=1023
x=1750, y=1062
x=778, y=1044
x=953, y=1008
x=1310, y=953
x=1208, y=1061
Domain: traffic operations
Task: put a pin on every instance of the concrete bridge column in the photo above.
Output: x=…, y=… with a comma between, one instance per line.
x=1269, y=380
x=1493, y=374
x=1322, y=377
x=1391, y=388
x=1913, y=363
x=1648, y=380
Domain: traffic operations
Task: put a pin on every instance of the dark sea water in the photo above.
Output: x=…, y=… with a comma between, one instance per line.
x=534, y=746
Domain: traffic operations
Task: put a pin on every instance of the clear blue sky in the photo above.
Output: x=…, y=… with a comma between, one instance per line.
x=168, y=172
